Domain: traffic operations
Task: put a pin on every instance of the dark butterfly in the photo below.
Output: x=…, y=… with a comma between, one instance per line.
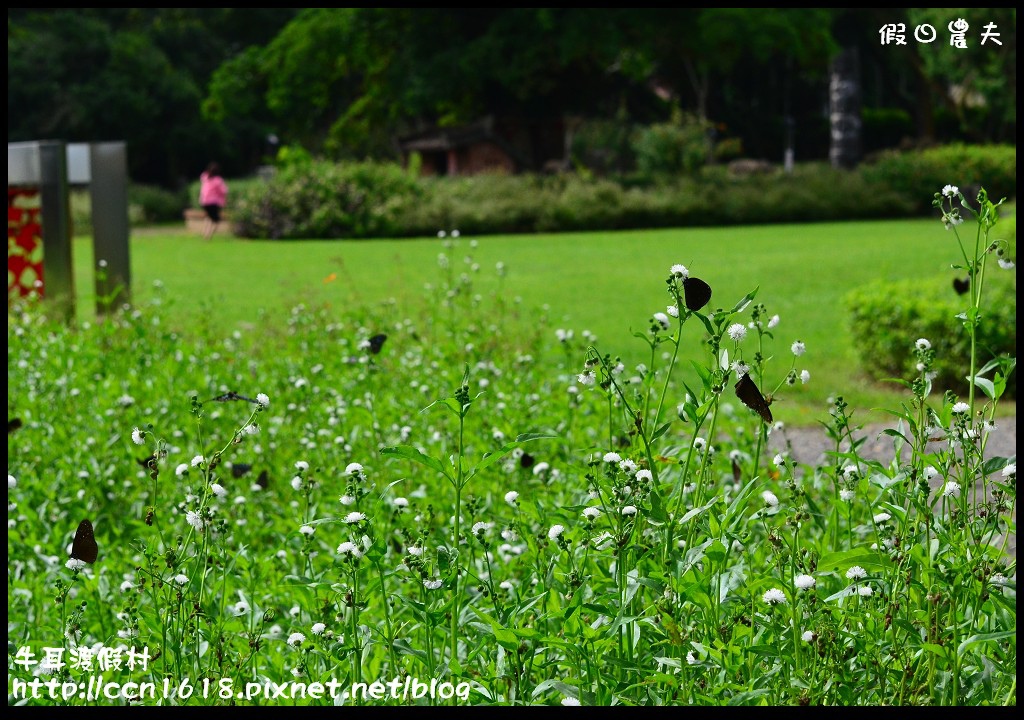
x=962, y=286
x=263, y=480
x=747, y=391
x=526, y=460
x=229, y=396
x=377, y=342
x=84, y=547
x=737, y=472
x=150, y=463
x=239, y=469
x=696, y=293
x=13, y=424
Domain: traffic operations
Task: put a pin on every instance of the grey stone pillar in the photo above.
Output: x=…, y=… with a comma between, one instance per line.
x=55, y=215
x=108, y=189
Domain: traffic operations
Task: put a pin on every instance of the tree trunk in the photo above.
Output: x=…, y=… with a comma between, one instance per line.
x=844, y=109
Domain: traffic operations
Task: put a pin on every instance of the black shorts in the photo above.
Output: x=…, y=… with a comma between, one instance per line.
x=213, y=212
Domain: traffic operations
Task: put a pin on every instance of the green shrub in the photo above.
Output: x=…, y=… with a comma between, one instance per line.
x=155, y=205
x=885, y=127
x=813, y=192
x=888, y=317
x=919, y=174
x=604, y=146
x=147, y=205
x=512, y=204
x=323, y=200
x=672, y=148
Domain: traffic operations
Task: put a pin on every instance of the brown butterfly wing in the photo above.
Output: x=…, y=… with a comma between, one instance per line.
x=747, y=391
x=84, y=546
x=962, y=286
x=696, y=293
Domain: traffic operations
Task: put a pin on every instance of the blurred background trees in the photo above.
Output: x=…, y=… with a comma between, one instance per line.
x=185, y=85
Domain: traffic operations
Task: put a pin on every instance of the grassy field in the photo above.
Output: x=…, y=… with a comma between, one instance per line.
x=609, y=283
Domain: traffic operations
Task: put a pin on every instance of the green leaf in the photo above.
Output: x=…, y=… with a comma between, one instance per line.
x=983, y=638
x=986, y=385
x=892, y=432
x=450, y=403
x=843, y=560
x=748, y=697
x=716, y=552
x=490, y=458
x=527, y=437
x=505, y=637
x=845, y=592
x=643, y=336
x=707, y=323
x=404, y=648
x=734, y=513
x=661, y=431
x=657, y=511
x=883, y=481
x=388, y=487
x=745, y=300
x=527, y=633
x=655, y=584
x=996, y=464
x=411, y=453
x=445, y=561
x=703, y=373
x=695, y=512
x=375, y=552
x=565, y=689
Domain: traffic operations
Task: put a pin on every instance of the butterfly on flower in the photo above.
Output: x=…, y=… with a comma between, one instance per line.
x=84, y=546
x=751, y=396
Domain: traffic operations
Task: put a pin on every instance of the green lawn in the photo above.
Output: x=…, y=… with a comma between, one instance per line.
x=606, y=282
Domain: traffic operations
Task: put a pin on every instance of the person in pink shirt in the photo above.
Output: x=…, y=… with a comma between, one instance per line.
x=213, y=195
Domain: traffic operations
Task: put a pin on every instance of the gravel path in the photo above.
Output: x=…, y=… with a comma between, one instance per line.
x=809, y=446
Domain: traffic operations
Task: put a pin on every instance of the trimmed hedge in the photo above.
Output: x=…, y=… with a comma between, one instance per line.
x=321, y=200
x=918, y=175
x=886, y=318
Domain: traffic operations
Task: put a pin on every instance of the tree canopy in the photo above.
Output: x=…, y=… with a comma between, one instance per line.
x=186, y=85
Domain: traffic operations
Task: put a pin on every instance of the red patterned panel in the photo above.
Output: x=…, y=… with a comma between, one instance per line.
x=24, y=243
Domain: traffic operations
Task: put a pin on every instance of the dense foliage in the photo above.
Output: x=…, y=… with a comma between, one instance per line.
x=470, y=493
x=183, y=86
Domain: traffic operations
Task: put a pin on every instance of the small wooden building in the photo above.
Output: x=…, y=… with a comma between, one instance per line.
x=490, y=145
